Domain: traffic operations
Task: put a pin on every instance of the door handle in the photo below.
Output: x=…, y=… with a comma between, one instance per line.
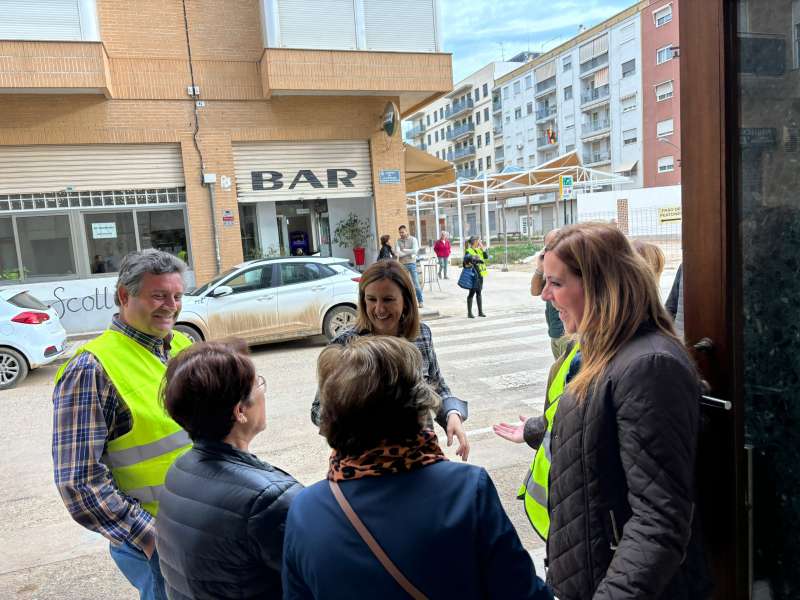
x=265, y=298
x=704, y=345
x=318, y=288
x=712, y=402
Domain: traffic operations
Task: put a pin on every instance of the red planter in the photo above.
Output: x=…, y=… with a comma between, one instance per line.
x=358, y=253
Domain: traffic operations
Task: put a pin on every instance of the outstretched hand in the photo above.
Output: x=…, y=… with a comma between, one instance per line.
x=456, y=428
x=512, y=433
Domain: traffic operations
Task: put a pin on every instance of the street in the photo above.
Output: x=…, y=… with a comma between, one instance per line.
x=498, y=364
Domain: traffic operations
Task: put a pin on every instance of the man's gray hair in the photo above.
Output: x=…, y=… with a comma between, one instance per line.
x=135, y=265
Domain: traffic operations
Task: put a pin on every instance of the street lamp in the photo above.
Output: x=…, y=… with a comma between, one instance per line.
x=678, y=148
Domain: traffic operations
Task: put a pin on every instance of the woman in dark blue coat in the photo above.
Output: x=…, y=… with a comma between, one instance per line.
x=440, y=523
x=222, y=512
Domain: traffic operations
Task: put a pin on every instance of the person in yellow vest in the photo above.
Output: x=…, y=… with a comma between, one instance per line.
x=113, y=442
x=476, y=257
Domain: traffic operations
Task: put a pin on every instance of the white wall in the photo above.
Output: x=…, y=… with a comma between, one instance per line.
x=603, y=206
x=338, y=210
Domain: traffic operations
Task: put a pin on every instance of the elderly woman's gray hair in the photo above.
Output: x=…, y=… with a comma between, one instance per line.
x=372, y=392
x=136, y=265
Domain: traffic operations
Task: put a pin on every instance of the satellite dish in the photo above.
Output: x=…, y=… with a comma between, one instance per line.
x=391, y=119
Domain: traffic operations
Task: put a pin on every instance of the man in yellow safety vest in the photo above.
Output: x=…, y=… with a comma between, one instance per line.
x=112, y=440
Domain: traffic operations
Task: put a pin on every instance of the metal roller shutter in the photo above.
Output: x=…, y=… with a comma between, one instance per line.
x=40, y=169
x=400, y=26
x=40, y=20
x=323, y=24
x=252, y=160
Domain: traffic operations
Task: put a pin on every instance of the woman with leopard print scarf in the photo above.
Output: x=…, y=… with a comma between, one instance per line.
x=394, y=518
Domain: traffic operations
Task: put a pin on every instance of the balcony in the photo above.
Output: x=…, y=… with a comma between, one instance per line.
x=595, y=63
x=543, y=142
x=499, y=153
x=55, y=67
x=460, y=131
x=547, y=86
x=548, y=112
x=458, y=108
x=593, y=158
x=416, y=131
x=497, y=129
x=595, y=127
x=589, y=96
x=462, y=153
x=497, y=105
x=467, y=173
x=423, y=146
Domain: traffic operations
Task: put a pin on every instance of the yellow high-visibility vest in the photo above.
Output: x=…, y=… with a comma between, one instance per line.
x=481, y=266
x=534, y=490
x=140, y=458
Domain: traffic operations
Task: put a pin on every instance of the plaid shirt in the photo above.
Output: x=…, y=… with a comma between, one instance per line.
x=87, y=413
x=430, y=371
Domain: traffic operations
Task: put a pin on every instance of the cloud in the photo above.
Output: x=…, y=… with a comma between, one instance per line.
x=478, y=33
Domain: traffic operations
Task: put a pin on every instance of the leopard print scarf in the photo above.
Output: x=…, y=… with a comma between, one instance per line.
x=388, y=459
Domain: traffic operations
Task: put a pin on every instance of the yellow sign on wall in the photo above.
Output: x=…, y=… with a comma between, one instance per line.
x=670, y=214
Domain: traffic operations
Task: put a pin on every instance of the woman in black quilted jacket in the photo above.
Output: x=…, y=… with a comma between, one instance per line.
x=222, y=513
x=623, y=520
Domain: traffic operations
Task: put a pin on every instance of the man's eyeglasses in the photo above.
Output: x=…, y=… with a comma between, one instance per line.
x=261, y=382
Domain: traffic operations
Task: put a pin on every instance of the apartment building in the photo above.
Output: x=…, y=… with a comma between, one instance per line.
x=214, y=130
x=458, y=127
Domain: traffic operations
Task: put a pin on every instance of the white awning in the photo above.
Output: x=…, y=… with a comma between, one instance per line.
x=626, y=167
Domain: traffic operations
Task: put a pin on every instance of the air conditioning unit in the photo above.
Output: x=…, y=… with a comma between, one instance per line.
x=520, y=146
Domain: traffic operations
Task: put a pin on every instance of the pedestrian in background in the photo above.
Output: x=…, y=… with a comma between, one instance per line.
x=386, y=248
x=442, y=250
x=674, y=303
x=475, y=258
x=403, y=520
x=386, y=307
x=112, y=441
x=223, y=511
x=623, y=520
x=406, y=250
x=653, y=256
x=555, y=328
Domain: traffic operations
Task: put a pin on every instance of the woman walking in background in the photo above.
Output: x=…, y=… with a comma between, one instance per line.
x=476, y=258
x=442, y=250
x=386, y=248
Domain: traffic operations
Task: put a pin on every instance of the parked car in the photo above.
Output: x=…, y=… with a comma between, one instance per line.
x=273, y=299
x=31, y=335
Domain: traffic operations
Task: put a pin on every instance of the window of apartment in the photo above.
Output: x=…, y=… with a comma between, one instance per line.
x=664, y=55
x=49, y=21
x=628, y=68
x=508, y=118
x=517, y=87
x=436, y=116
x=662, y=16
x=566, y=63
x=665, y=127
x=428, y=119
x=532, y=160
x=664, y=91
x=797, y=45
x=569, y=121
x=569, y=148
x=436, y=136
x=480, y=164
x=486, y=114
x=568, y=93
x=488, y=161
x=520, y=161
x=429, y=139
x=479, y=139
x=627, y=33
x=529, y=108
x=488, y=138
x=441, y=113
x=485, y=90
x=476, y=94
x=505, y=93
x=531, y=134
x=478, y=118
x=629, y=137
x=628, y=103
x=666, y=164
x=528, y=82
x=518, y=113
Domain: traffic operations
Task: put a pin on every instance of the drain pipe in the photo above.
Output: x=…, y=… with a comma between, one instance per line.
x=210, y=179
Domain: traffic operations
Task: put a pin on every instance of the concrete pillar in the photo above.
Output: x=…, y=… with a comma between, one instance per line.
x=460, y=217
x=486, y=210
x=391, y=205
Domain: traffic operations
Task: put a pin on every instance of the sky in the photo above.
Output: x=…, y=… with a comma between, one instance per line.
x=478, y=33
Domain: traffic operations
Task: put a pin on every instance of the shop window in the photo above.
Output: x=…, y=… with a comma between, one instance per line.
x=9, y=265
x=163, y=230
x=45, y=244
x=109, y=237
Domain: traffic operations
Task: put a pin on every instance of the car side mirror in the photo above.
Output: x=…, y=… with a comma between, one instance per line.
x=220, y=291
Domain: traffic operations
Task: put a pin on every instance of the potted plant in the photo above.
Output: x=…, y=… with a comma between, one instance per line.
x=353, y=232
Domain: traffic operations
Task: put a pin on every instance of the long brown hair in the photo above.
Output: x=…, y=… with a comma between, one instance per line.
x=620, y=295
x=652, y=255
x=396, y=273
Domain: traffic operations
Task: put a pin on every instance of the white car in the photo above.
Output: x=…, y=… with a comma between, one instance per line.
x=31, y=335
x=273, y=299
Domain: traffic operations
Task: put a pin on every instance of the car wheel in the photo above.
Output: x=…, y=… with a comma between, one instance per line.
x=337, y=320
x=13, y=368
x=191, y=332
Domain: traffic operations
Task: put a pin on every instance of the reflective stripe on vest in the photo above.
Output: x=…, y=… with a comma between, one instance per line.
x=535, y=489
x=480, y=266
x=140, y=458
